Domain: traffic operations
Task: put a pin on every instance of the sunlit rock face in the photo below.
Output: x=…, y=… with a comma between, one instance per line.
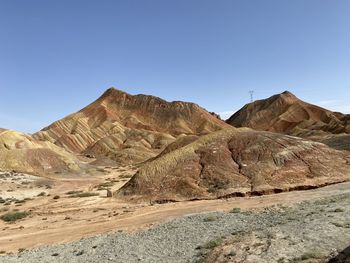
x=285, y=113
x=128, y=128
x=23, y=153
x=237, y=162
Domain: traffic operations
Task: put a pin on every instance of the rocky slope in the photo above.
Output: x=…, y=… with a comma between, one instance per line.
x=128, y=128
x=237, y=162
x=339, y=142
x=22, y=153
x=285, y=113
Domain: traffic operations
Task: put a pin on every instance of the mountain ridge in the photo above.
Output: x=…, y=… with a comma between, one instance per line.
x=236, y=162
x=118, y=121
x=285, y=113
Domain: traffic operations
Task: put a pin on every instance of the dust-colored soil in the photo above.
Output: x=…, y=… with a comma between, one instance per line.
x=71, y=218
x=310, y=231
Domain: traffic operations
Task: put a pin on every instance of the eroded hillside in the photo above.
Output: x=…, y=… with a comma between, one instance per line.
x=285, y=113
x=128, y=128
x=238, y=162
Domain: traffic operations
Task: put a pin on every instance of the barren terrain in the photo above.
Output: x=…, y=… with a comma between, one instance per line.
x=61, y=209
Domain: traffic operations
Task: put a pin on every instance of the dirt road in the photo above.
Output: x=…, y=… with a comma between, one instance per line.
x=67, y=219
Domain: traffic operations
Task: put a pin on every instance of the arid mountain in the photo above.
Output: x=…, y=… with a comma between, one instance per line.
x=237, y=162
x=285, y=113
x=128, y=128
x=22, y=153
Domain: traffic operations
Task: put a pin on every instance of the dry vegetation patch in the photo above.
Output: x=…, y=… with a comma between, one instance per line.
x=14, y=216
x=83, y=194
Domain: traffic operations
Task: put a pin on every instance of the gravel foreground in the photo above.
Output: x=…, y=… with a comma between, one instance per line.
x=320, y=228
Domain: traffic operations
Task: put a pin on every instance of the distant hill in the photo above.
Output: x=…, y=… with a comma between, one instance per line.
x=22, y=153
x=236, y=162
x=285, y=113
x=128, y=128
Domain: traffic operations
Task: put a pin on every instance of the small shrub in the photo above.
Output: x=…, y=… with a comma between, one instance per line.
x=237, y=232
x=235, y=210
x=73, y=192
x=231, y=254
x=13, y=216
x=337, y=224
x=310, y=255
x=56, y=197
x=42, y=194
x=310, y=213
x=338, y=210
x=212, y=244
x=210, y=219
x=343, y=225
x=106, y=184
x=43, y=183
x=84, y=194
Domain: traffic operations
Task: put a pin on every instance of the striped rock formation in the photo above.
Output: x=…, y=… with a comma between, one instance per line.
x=128, y=128
x=22, y=153
x=285, y=113
x=236, y=162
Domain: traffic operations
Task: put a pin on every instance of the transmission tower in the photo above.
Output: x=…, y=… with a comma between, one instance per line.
x=251, y=92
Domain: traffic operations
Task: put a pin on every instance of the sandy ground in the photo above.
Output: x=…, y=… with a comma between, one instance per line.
x=67, y=219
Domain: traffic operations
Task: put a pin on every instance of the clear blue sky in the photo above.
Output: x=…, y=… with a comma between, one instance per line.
x=58, y=56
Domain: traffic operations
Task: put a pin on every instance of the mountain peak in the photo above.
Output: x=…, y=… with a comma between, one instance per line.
x=112, y=91
x=286, y=92
x=117, y=120
x=285, y=113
